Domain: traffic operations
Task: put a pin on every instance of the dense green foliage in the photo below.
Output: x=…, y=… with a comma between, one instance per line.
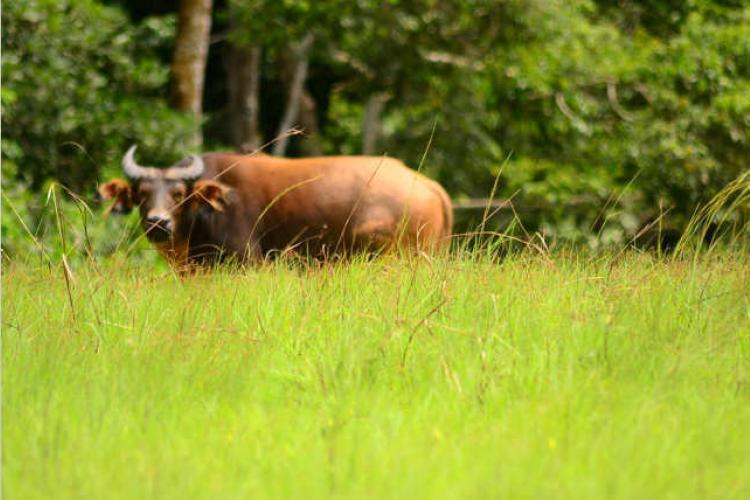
x=572, y=103
x=80, y=84
x=561, y=377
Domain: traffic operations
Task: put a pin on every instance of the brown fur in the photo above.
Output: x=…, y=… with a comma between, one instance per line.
x=246, y=207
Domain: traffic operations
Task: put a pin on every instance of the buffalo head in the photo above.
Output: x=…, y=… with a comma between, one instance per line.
x=166, y=198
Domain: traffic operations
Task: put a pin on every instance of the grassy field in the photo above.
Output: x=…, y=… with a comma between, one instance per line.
x=568, y=376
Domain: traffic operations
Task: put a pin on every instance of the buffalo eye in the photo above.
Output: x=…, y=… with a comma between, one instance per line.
x=177, y=195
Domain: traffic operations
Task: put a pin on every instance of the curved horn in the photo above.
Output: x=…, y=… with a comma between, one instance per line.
x=130, y=167
x=189, y=172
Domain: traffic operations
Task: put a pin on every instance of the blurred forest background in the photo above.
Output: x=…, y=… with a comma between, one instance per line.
x=597, y=115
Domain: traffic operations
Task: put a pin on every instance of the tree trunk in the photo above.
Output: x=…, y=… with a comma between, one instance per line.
x=371, y=126
x=243, y=70
x=308, y=120
x=189, y=60
x=301, y=54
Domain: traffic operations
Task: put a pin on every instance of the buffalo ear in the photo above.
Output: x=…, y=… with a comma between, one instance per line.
x=120, y=191
x=215, y=194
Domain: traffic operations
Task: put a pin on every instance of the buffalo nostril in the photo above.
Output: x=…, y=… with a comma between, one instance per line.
x=158, y=223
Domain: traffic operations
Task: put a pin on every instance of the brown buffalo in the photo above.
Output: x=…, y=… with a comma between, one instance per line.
x=219, y=205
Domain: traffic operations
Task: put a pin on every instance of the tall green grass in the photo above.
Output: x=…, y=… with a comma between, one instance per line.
x=562, y=375
x=504, y=369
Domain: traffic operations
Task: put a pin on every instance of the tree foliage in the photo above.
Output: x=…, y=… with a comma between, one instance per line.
x=569, y=102
x=81, y=83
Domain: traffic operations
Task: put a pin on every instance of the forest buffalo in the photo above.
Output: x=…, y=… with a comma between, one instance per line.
x=208, y=208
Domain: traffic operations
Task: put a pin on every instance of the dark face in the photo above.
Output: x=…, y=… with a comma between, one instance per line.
x=166, y=197
x=162, y=203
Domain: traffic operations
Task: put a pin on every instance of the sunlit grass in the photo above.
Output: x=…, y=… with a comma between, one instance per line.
x=457, y=377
